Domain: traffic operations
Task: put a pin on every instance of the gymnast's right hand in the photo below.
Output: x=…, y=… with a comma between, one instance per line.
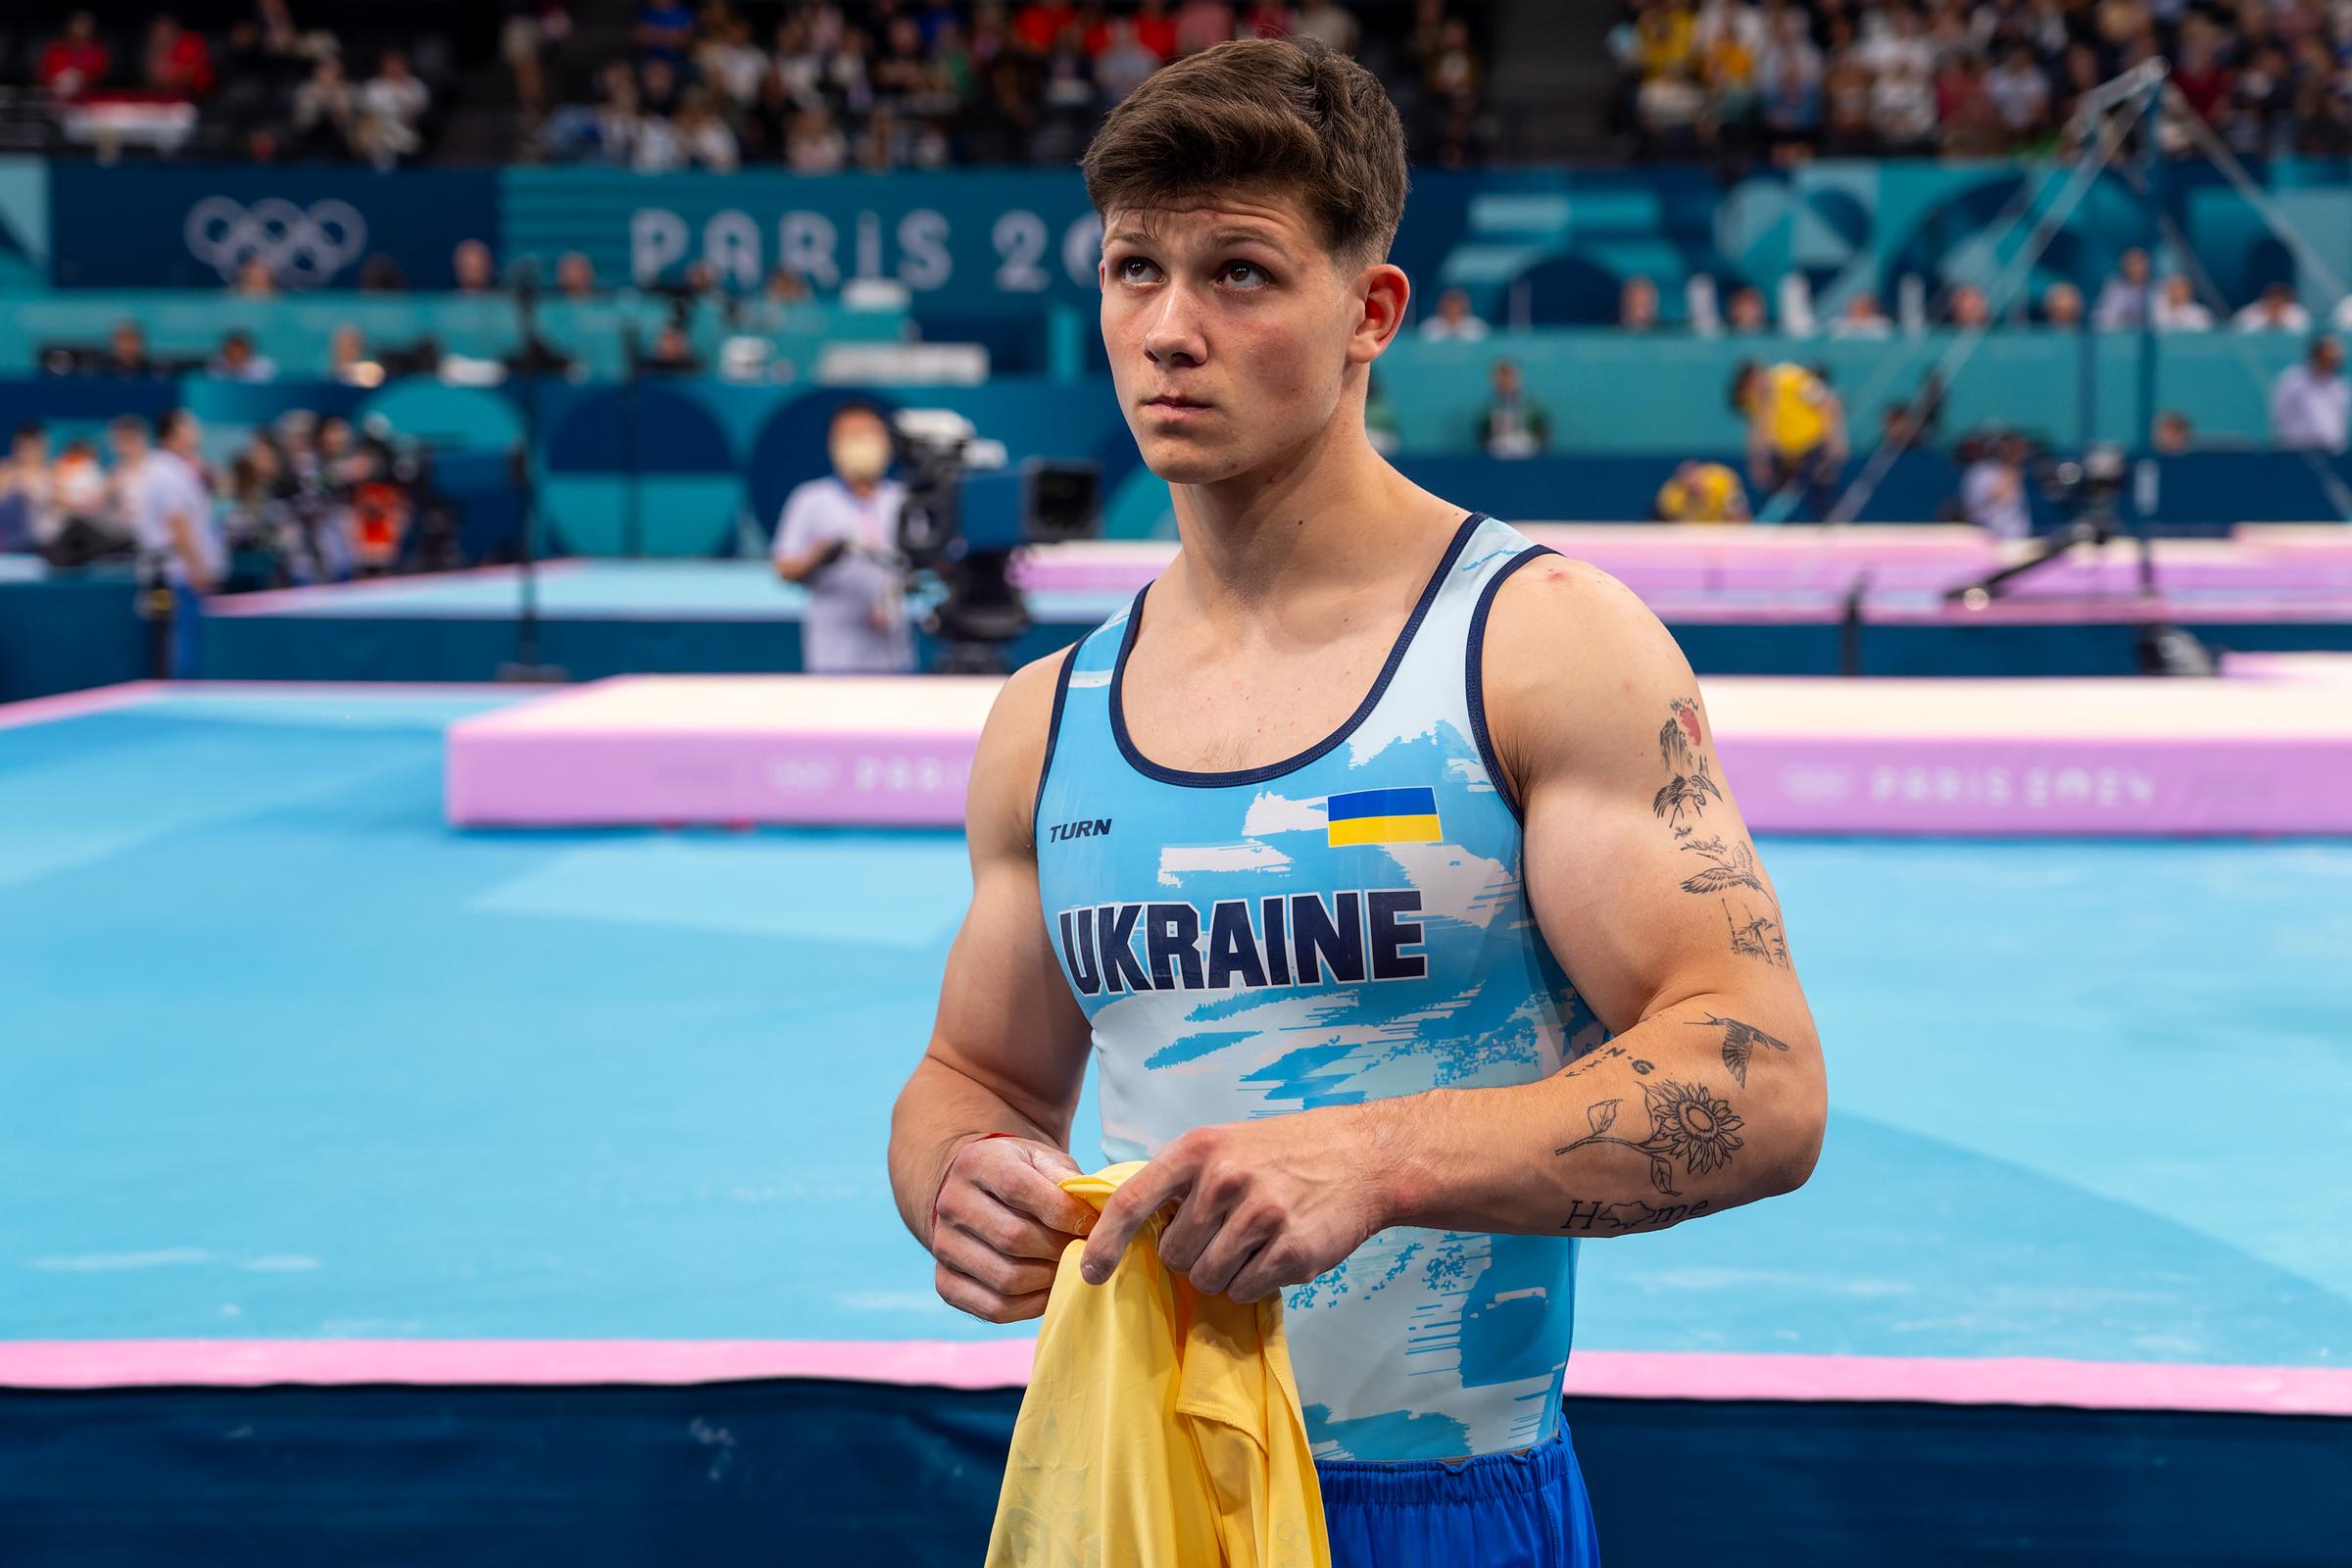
x=1002, y=1222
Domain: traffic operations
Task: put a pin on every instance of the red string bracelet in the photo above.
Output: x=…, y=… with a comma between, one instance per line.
x=952, y=1159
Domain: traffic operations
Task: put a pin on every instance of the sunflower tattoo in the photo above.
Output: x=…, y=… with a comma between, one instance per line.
x=1687, y=1123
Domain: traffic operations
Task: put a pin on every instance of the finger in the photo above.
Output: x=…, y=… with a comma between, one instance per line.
x=1007, y=1275
x=967, y=1294
x=1022, y=1185
x=1126, y=1214
x=1005, y=1229
x=1196, y=1222
x=1228, y=1253
x=1274, y=1266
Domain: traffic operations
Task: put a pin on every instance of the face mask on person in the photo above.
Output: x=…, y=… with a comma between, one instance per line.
x=860, y=456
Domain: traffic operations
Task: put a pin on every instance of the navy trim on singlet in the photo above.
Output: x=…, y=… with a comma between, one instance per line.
x=1061, y=693
x=1258, y=775
x=1472, y=666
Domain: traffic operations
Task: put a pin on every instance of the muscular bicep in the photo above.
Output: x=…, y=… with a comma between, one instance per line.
x=1643, y=876
x=1007, y=1019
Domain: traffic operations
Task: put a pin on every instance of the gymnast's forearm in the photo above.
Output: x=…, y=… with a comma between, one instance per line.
x=1696, y=1110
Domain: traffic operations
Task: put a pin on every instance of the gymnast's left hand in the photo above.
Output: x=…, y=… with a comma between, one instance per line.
x=1255, y=1205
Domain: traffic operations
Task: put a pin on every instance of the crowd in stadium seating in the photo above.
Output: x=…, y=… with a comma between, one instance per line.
x=929, y=83
x=2130, y=297
x=267, y=86
x=1789, y=78
x=814, y=85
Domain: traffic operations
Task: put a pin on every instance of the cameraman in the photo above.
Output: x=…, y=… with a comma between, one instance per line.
x=838, y=537
x=1993, y=484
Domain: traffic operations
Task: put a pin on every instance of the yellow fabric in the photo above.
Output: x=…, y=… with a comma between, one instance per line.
x=1795, y=404
x=1708, y=497
x=1161, y=1428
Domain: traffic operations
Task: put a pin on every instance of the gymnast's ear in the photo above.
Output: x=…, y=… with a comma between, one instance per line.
x=1381, y=292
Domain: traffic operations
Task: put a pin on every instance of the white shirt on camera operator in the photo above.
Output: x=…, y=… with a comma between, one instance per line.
x=838, y=538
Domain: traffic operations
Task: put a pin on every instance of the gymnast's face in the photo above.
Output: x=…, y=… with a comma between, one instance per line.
x=1235, y=337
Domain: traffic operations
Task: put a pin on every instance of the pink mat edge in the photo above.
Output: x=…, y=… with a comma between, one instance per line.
x=132, y=693
x=1004, y=1364
x=277, y=598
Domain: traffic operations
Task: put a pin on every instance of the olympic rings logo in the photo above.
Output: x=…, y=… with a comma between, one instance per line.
x=300, y=246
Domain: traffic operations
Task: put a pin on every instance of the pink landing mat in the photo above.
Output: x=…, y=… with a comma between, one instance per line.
x=1006, y=1363
x=2266, y=750
x=1671, y=562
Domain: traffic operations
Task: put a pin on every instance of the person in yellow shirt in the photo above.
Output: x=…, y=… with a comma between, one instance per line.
x=1795, y=431
x=1701, y=492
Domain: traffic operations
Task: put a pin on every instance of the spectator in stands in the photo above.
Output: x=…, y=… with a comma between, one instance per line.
x=672, y=352
x=1992, y=485
x=785, y=287
x=1512, y=424
x=2276, y=311
x=476, y=270
x=703, y=138
x=575, y=275
x=2062, y=307
x=1903, y=109
x=1701, y=492
x=816, y=145
x=2019, y=92
x=170, y=510
x=83, y=494
x=126, y=351
x=1967, y=309
x=2171, y=435
x=2124, y=299
x=392, y=110
x=837, y=539
x=658, y=87
x=730, y=65
x=327, y=111
x=74, y=62
x=1453, y=322
x=28, y=516
x=238, y=361
x=1637, y=305
x=532, y=28
x=1123, y=65
x=2309, y=402
x=2177, y=309
x=346, y=357
x=1862, y=317
x=255, y=279
x=1156, y=28
x=1332, y=24
x=1795, y=431
x=1267, y=18
x=1744, y=312
x=180, y=64
x=382, y=274
x=1203, y=23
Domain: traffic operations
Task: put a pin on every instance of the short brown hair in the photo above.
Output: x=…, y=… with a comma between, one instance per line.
x=1260, y=113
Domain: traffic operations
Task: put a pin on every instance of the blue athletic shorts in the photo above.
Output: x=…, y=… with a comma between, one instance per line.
x=1498, y=1510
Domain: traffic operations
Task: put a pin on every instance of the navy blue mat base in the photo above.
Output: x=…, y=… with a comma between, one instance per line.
x=803, y=1472
x=356, y=649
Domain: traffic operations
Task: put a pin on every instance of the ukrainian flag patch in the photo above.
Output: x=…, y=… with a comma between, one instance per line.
x=1384, y=817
